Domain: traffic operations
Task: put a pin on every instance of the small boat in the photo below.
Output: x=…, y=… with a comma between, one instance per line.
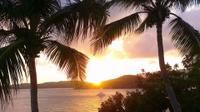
x=101, y=94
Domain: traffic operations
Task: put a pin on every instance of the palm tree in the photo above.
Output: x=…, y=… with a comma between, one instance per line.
x=28, y=27
x=156, y=12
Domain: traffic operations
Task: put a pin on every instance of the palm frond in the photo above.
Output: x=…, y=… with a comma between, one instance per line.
x=9, y=13
x=20, y=11
x=42, y=8
x=78, y=18
x=71, y=61
x=130, y=3
x=12, y=69
x=185, y=37
x=109, y=4
x=6, y=36
x=6, y=8
x=148, y=22
x=183, y=4
x=159, y=12
x=5, y=32
x=111, y=31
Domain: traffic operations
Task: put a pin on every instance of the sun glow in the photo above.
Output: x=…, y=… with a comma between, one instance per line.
x=117, y=44
x=111, y=65
x=103, y=69
x=97, y=84
x=114, y=63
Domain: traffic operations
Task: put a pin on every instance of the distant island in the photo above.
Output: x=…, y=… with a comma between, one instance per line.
x=123, y=82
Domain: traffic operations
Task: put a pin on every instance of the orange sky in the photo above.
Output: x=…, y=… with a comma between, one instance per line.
x=127, y=55
x=112, y=63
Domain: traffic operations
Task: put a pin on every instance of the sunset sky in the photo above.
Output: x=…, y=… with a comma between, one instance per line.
x=126, y=55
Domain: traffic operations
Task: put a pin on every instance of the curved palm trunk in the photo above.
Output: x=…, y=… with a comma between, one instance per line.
x=168, y=87
x=33, y=79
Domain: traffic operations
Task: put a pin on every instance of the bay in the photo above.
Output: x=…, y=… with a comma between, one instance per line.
x=62, y=100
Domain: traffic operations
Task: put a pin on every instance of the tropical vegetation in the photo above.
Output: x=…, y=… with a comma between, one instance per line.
x=151, y=96
x=155, y=14
x=29, y=27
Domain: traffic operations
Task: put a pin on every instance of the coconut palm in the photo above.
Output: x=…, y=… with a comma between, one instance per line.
x=28, y=27
x=156, y=12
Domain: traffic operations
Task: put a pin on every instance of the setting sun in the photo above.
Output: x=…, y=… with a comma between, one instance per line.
x=112, y=64
x=116, y=63
x=147, y=52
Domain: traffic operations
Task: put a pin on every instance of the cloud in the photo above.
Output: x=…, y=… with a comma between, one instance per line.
x=145, y=45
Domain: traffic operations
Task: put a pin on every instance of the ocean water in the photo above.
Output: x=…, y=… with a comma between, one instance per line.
x=62, y=100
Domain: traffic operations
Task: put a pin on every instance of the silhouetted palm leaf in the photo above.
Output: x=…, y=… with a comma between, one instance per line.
x=146, y=23
x=12, y=68
x=6, y=37
x=79, y=18
x=183, y=4
x=130, y=3
x=185, y=37
x=111, y=31
x=20, y=9
x=71, y=61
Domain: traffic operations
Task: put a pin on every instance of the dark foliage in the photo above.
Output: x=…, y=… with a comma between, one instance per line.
x=28, y=27
x=151, y=96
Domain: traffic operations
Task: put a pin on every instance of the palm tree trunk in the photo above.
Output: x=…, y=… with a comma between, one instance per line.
x=33, y=79
x=168, y=87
